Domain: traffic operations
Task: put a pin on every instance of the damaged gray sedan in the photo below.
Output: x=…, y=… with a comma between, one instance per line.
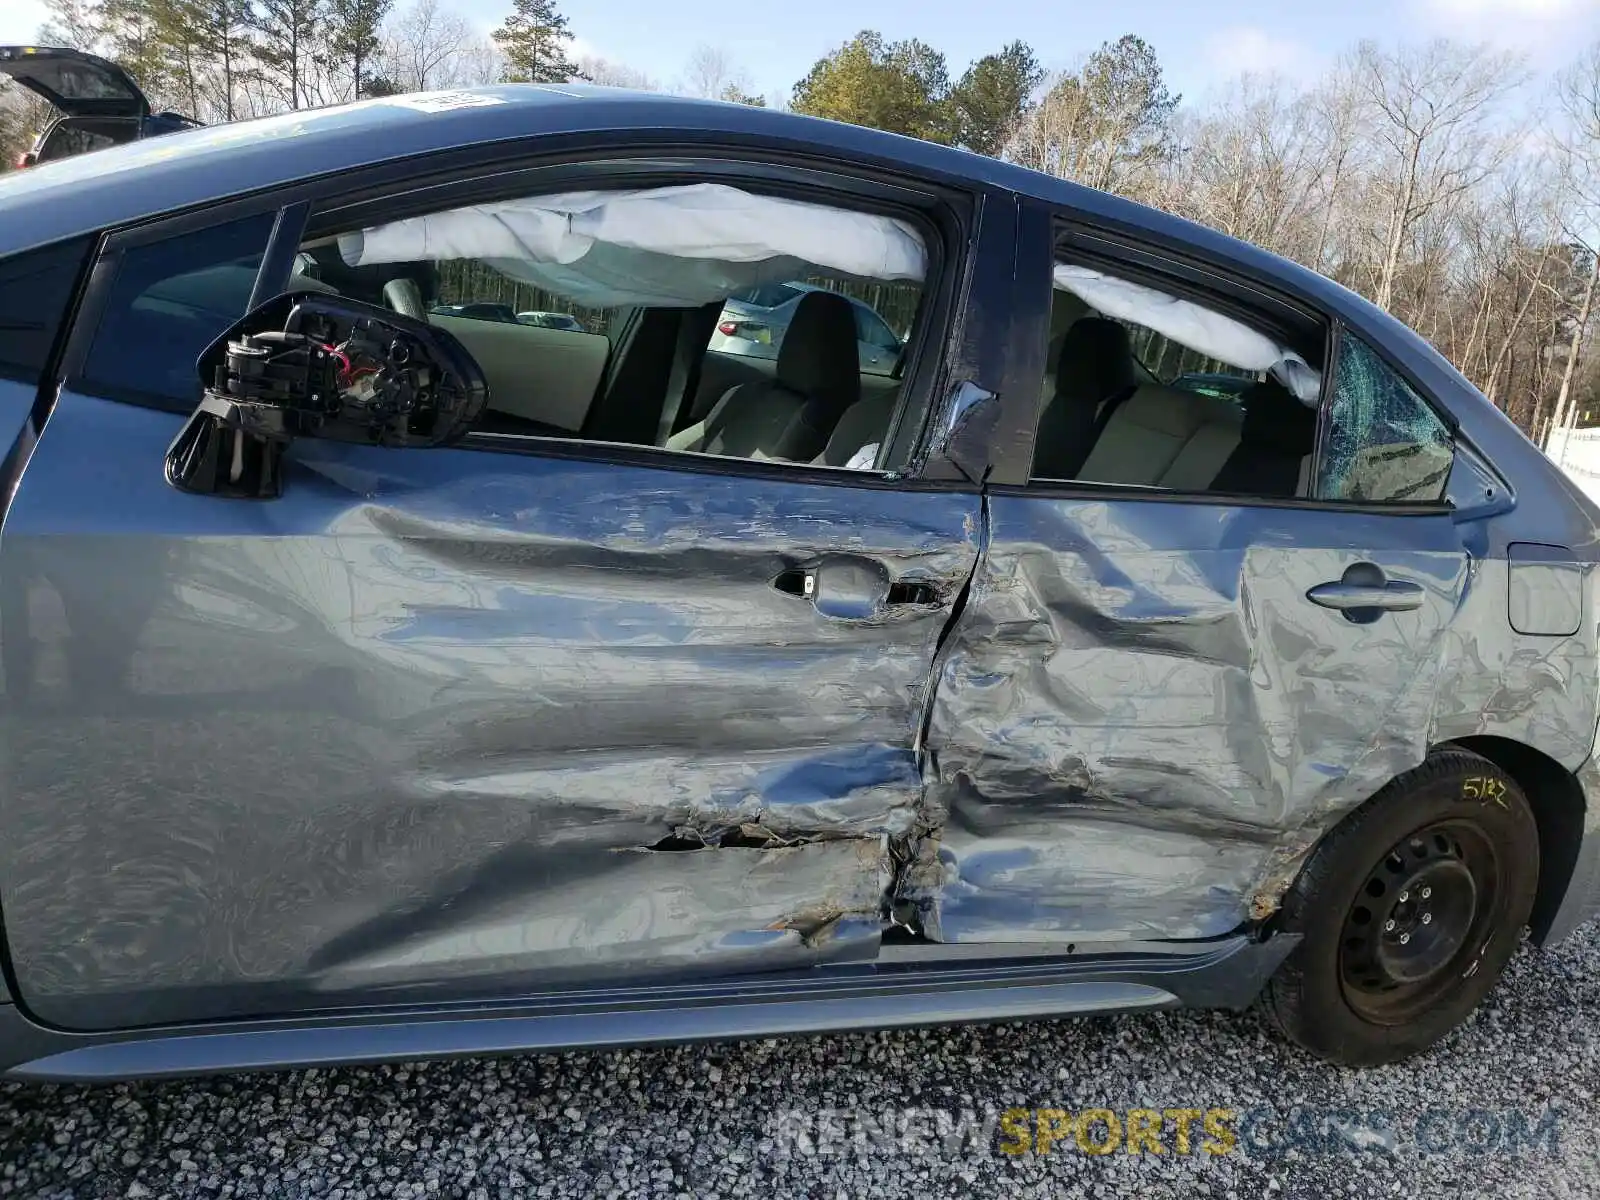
x=382, y=680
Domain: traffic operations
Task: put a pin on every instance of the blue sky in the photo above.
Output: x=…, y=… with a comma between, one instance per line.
x=1201, y=42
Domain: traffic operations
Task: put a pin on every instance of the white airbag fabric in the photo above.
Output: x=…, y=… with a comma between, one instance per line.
x=674, y=246
x=1192, y=325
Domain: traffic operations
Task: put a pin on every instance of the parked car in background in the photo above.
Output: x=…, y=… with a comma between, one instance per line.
x=551, y=320
x=754, y=322
x=384, y=682
x=99, y=103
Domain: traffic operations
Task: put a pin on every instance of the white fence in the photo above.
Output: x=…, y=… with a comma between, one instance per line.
x=1577, y=452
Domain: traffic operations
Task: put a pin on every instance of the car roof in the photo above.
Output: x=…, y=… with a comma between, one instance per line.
x=196, y=166
x=193, y=168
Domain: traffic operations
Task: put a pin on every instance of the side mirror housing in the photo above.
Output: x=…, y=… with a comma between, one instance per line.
x=306, y=364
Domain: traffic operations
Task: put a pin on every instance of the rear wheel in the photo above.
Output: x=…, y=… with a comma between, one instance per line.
x=1409, y=911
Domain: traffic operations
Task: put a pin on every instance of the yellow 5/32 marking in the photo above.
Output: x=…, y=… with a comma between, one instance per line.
x=1484, y=787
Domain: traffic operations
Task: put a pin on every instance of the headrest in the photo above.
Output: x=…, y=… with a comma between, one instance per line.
x=1274, y=419
x=818, y=357
x=1096, y=361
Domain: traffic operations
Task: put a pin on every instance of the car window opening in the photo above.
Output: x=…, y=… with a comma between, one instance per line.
x=1148, y=389
x=1151, y=390
x=701, y=318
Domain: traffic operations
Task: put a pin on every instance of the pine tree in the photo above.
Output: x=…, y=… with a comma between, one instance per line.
x=533, y=40
x=221, y=28
x=735, y=94
x=903, y=87
x=994, y=95
x=134, y=35
x=352, y=38
x=288, y=30
x=187, y=50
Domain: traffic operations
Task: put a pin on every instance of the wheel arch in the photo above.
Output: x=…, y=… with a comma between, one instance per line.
x=1559, y=808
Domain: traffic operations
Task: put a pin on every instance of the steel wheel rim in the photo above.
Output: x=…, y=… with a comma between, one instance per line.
x=1419, y=921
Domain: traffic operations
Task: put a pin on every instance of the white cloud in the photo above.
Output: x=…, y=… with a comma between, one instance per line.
x=20, y=20
x=1540, y=26
x=1249, y=49
x=1508, y=9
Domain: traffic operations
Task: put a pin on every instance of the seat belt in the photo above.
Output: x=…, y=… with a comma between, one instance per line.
x=685, y=355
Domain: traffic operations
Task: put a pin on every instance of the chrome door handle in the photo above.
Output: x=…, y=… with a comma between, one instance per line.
x=1365, y=592
x=1392, y=597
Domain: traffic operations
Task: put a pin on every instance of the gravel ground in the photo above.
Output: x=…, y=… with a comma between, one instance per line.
x=870, y=1115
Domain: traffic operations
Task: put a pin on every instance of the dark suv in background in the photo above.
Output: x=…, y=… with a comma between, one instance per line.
x=99, y=103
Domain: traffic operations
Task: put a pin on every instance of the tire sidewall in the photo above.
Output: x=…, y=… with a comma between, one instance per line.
x=1452, y=785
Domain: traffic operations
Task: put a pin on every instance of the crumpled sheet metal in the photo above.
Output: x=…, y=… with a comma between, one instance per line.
x=424, y=719
x=1142, y=725
x=740, y=908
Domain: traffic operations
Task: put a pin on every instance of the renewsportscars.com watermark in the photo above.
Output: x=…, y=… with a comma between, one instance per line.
x=1264, y=1131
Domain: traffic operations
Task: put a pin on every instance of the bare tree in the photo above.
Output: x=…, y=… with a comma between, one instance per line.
x=423, y=47
x=1106, y=123
x=1435, y=125
x=710, y=72
x=22, y=114
x=614, y=74
x=1578, y=97
x=73, y=23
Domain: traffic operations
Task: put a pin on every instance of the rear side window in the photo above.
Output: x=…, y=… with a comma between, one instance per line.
x=1384, y=442
x=1151, y=389
x=35, y=293
x=170, y=300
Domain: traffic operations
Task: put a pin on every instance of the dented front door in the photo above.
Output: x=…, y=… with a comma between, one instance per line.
x=449, y=722
x=1145, y=716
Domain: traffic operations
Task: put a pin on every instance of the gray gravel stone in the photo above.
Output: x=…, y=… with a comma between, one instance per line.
x=872, y=1115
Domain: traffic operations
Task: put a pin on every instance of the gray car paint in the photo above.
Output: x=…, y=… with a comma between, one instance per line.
x=417, y=726
x=900, y=989
x=302, y=792
x=1144, y=723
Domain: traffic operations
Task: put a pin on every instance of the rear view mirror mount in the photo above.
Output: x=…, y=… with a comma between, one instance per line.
x=312, y=365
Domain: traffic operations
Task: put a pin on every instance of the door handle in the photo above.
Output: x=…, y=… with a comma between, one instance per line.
x=850, y=588
x=1364, y=593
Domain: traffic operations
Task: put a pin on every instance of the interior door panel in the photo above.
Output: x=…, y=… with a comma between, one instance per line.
x=548, y=376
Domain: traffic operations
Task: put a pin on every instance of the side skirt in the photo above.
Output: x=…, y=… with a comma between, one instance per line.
x=1224, y=973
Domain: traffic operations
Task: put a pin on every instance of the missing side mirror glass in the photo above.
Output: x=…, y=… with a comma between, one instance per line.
x=312, y=365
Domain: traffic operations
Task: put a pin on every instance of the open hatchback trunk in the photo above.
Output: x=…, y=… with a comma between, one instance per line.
x=99, y=103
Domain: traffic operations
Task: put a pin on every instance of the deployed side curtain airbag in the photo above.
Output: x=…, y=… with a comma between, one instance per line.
x=1192, y=325
x=674, y=246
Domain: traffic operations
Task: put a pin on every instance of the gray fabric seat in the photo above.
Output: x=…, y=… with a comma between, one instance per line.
x=1274, y=445
x=1095, y=369
x=862, y=424
x=1165, y=437
x=792, y=416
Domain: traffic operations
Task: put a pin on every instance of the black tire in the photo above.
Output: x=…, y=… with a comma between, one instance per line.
x=1361, y=991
